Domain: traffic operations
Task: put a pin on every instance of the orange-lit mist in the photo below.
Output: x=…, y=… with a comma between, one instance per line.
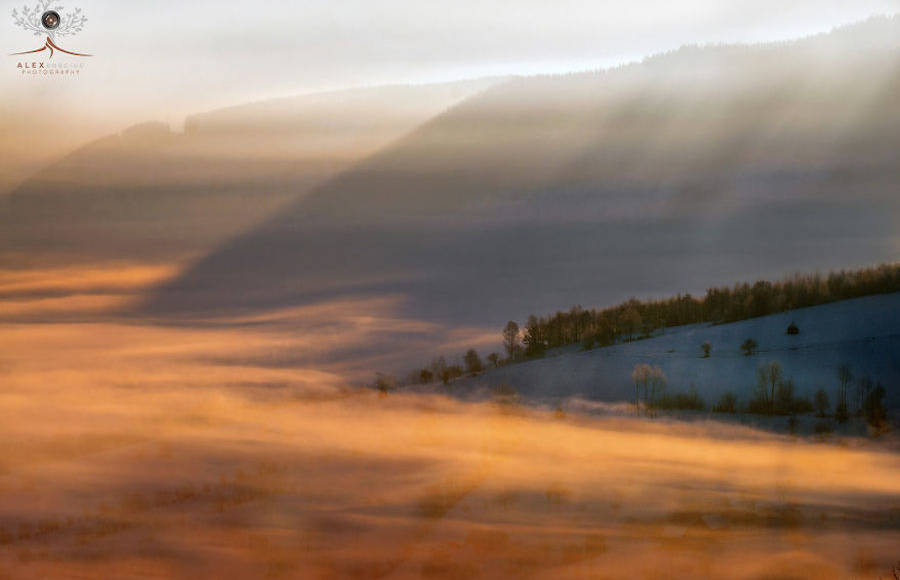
x=136, y=450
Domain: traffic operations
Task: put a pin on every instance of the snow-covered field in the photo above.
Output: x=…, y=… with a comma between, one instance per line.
x=863, y=333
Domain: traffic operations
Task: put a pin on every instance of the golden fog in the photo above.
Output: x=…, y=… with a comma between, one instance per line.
x=131, y=449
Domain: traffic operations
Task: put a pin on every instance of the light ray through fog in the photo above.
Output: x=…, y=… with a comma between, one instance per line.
x=186, y=317
x=164, y=64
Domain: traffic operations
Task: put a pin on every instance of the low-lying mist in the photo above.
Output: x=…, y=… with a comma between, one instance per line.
x=132, y=449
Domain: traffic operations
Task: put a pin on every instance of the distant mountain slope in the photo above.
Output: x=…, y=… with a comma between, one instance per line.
x=347, y=123
x=688, y=170
x=149, y=191
x=863, y=333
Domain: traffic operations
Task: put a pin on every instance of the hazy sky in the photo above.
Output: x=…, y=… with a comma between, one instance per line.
x=163, y=60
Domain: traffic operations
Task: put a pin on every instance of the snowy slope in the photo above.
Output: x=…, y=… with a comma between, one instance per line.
x=864, y=333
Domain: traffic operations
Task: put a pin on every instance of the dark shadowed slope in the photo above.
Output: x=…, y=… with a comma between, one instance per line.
x=694, y=168
x=149, y=192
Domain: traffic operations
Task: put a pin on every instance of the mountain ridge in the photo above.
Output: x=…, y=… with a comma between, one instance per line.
x=593, y=187
x=148, y=192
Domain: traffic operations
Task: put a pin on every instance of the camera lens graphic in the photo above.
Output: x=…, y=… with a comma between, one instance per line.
x=50, y=19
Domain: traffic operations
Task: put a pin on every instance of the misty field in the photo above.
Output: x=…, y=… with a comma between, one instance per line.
x=131, y=449
x=484, y=290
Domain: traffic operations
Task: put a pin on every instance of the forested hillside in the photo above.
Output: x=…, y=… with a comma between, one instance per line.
x=686, y=171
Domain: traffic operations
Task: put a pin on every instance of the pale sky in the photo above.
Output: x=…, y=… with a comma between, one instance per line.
x=163, y=60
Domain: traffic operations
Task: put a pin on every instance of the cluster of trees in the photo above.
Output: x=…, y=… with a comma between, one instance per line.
x=472, y=364
x=774, y=394
x=677, y=401
x=439, y=370
x=859, y=396
x=649, y=381
x=635, y=319
x=728, y=403
x=650, y=391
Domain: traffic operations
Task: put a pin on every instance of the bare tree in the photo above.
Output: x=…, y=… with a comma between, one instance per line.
x=535, y=344
x=727, y=404
x=511, y=339
x=845, y=377
x=632, y=321
x=767, y=377
x=657, y=382
x=863, y=386
x=473, y=362
x=649, y=379
x=438, y=367
x=640, y=375
x=820, y=402
x=784, y=397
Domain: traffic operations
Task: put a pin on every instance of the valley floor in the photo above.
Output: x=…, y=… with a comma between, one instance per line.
x=117, y=482
x=130, y=449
